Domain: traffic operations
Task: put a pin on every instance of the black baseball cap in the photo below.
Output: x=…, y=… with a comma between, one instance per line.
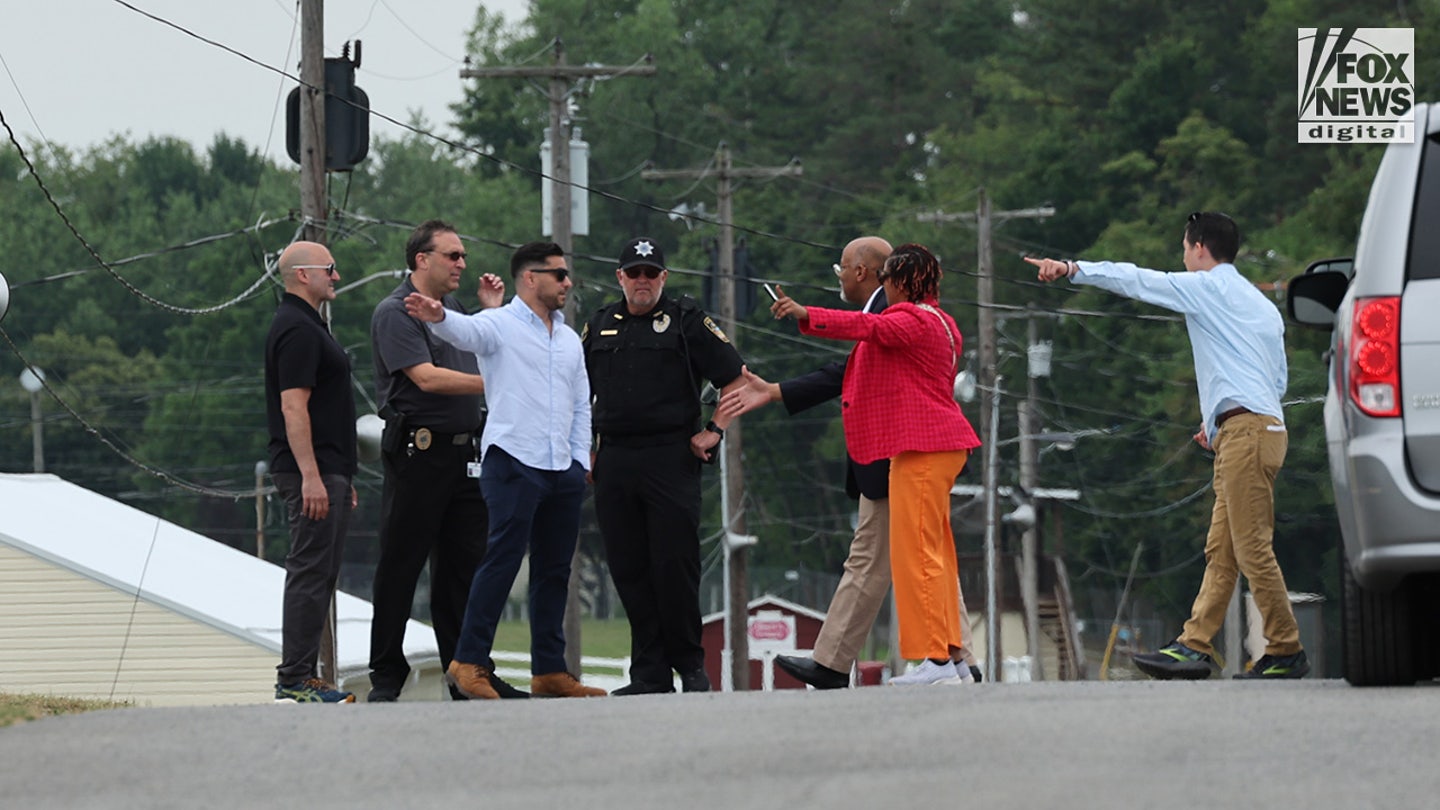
x=642, y=251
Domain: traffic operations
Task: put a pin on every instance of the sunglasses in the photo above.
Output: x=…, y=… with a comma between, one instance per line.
x=839, y=271
x=452, y=255
x=560, y=273
x=649, y=272
x=328, y=268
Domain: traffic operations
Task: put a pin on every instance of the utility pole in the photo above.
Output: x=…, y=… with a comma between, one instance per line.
x=313, y=205
x=312, y=120
x=735, y=537
x=985, y=219
x=561, y=75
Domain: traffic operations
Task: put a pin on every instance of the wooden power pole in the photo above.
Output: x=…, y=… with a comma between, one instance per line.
x=312, y=120
x=313, y=205
x=735, y=537
x=985, y=219
x=561, y=75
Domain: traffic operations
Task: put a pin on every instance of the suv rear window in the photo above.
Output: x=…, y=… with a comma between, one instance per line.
x=1424, y=259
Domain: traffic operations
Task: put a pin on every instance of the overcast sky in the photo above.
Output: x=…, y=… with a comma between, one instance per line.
x=74, y=72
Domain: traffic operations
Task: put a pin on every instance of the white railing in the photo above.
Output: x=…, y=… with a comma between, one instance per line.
x=614, y=672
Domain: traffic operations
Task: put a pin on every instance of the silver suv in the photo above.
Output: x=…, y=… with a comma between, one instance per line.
x=1382, y=413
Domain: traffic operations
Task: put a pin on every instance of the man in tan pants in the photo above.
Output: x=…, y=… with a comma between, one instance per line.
x=866, y=579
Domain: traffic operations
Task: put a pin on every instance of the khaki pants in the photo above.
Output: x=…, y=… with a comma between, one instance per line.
x=1249, y=451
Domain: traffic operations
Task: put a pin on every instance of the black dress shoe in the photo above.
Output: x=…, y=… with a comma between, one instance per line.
x=643, y=688
x=695, y=681
x=505, y=690
x=806, y=670
x=383, y=694
x=976, y=673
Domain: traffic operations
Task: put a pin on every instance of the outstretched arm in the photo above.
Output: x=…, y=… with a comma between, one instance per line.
x=753, y=392
x=1051, y=269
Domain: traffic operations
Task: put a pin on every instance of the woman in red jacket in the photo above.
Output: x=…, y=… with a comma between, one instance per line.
x=897, y=403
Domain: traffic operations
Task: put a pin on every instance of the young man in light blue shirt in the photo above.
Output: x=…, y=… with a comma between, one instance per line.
x=1238, y=340
x=534, y=455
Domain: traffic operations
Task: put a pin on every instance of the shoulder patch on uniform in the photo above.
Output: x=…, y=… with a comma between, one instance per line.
x=710, y=324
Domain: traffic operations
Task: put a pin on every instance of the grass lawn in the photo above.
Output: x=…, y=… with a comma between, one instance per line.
x=19, y=708
x=606, y=638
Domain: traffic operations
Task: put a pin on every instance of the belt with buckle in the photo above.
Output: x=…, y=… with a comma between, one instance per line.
x=424, y=438
x=1236, y=411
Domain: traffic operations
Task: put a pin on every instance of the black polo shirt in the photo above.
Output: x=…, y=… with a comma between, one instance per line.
x=301, y=353
x=646, y=370
x=399, y=342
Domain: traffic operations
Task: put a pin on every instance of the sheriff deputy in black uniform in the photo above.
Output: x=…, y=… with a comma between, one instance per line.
x=647, y=356
x=430, y=396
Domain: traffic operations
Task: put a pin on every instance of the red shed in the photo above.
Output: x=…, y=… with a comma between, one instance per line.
x=776, y=624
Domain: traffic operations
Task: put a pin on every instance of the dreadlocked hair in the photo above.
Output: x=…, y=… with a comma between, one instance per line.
x=915, y=270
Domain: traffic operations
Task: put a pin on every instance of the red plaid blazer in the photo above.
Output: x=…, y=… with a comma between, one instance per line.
x=898, y=393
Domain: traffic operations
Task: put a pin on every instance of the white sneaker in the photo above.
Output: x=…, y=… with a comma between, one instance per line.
x=928, y=674
x=963, y=670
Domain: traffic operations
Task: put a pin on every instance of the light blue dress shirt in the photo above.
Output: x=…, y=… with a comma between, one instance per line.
x=1236, y=333
x=535, y=383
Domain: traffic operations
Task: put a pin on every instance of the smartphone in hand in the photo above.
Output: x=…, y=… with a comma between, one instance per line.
x=774, y=296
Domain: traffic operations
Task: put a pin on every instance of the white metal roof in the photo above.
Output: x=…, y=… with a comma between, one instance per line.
x=189, y=573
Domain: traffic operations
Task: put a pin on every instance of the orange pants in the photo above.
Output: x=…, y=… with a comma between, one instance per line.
x=922, y=552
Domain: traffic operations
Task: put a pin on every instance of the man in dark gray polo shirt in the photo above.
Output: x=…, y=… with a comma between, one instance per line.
x=430, y=395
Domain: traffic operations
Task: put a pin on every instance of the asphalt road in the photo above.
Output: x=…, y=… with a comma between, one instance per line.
x=1034, y=745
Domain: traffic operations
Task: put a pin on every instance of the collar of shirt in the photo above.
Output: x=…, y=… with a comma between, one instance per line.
x=873, y=299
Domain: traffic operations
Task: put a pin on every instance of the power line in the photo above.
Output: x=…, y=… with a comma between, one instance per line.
x=136, y=291
x=479, y=153
x=108, y=442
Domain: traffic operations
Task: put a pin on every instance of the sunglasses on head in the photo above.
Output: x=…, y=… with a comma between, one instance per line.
x=649, y=271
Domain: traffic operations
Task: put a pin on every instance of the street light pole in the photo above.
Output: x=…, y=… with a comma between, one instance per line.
x=992, y=562
x=261, y=468
x=33, y=381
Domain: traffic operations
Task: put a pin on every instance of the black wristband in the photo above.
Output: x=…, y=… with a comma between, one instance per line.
x=714, y=428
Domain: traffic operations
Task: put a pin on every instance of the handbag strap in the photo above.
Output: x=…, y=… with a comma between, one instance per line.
x=954, y=356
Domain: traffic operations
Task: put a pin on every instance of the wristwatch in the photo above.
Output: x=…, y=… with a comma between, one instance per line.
x=714, y=428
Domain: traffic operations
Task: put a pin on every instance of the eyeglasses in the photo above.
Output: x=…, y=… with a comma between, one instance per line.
x=839, y=271
x=650, y=271
x=328, y=268
x=560, y=273
x=452, y=255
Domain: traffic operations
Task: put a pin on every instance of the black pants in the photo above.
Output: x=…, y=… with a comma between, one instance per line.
x=311, y=569
x=647, y=502
x=429, y=510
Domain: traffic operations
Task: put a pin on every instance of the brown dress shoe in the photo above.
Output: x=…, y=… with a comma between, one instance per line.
x=562, y=684
x=471, y=680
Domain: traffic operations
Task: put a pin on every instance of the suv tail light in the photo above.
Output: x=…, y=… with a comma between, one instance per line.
x=1375, y=356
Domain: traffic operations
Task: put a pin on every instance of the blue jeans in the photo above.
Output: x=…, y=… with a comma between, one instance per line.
x=530, y=510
